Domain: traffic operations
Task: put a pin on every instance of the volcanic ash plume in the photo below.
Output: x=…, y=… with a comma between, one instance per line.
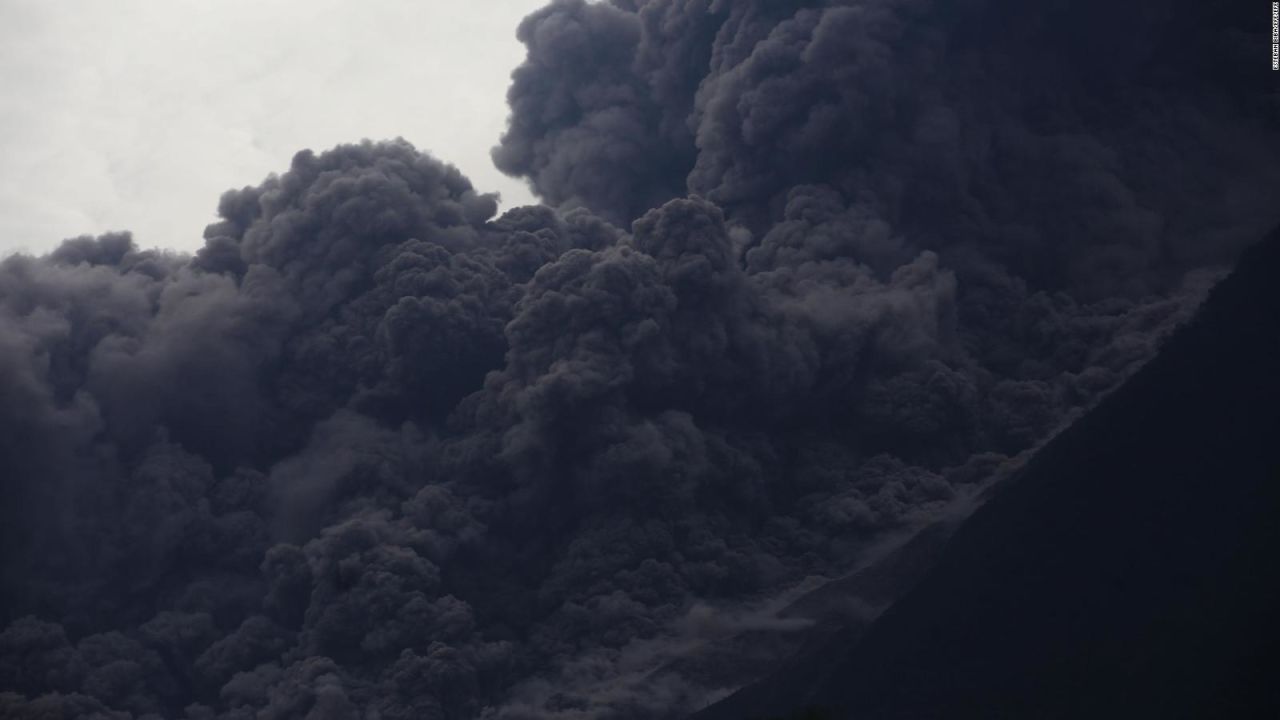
x=807, y=273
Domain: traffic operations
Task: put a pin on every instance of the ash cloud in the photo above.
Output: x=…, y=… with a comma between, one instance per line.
x=1067, y=146
x=807, y=271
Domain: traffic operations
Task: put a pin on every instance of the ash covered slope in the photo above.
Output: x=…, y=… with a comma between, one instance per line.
x=1128, y=571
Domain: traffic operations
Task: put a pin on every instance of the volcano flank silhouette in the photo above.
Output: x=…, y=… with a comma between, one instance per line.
x=1127, y=571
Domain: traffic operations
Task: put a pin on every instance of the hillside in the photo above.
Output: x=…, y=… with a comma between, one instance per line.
x=1128, y=571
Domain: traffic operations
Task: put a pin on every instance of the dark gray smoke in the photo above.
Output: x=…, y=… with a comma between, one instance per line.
x=375, y=452
x=1105, y=150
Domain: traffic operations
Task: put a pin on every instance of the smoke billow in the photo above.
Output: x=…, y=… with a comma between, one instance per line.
x=805, y=272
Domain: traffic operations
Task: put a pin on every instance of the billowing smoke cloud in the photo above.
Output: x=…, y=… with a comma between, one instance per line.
x=807, y=273
x=1071, y=146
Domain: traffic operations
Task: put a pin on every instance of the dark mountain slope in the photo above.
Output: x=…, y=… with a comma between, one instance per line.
x=1130, y=570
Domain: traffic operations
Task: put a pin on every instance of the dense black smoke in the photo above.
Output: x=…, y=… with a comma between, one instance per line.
x=375, y=452
x=1082, y=146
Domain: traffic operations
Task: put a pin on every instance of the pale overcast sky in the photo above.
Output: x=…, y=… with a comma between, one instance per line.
x=137, y=114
